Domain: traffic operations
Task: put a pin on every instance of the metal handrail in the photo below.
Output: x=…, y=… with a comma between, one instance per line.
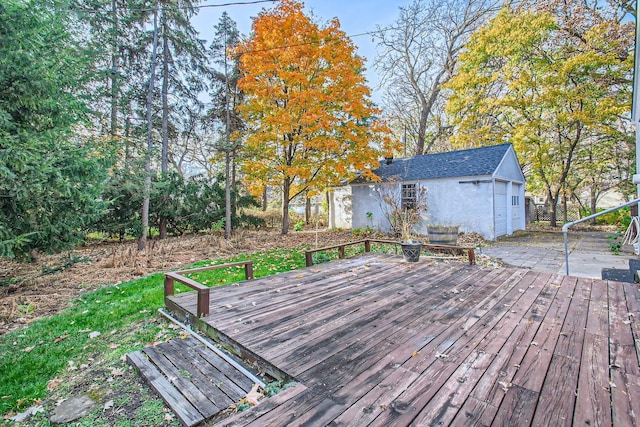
x=565, y=228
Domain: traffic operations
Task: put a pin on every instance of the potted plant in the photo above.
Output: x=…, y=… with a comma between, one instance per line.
x=404, y=204
x=411, y=247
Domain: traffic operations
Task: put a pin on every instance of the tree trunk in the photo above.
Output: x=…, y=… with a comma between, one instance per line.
x=164, y=164
x=114, y=72
x=227, y=142
x=142, y=241
x=307, y=210
x=127, y=144
x=227, y=195
x=234, y=192
x=264, y=200
x=552, y=215
x=553, y=201
x=286, y=190
x=422, y=128
x=592, y=203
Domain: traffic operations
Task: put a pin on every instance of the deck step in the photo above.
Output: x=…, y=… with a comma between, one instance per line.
x=621, y=275
x=192, y=380
x=618, y=275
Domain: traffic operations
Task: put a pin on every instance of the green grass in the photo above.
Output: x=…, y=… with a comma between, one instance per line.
x=32, y=356
x=265, y=263
x=124, y=315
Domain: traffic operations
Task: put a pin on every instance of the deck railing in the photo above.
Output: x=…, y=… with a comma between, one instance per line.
x=202, y=308
x=565, y=228
x=308, y=255
x=203, y=291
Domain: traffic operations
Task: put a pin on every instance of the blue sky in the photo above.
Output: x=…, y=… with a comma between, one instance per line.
x=355, y=16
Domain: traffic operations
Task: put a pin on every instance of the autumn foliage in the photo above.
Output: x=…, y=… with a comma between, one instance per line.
x=310, y=120
x=556, y=83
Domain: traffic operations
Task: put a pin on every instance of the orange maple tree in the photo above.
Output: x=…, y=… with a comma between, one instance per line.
x=310, y=119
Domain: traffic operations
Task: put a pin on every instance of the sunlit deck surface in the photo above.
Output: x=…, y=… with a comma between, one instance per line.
x=373, y=340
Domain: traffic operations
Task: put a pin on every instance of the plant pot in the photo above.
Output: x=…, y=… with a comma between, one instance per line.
x=411, y=251
x=443, y=235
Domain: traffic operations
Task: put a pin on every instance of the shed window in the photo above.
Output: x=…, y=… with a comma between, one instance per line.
x=409, y=196
x=515, y=200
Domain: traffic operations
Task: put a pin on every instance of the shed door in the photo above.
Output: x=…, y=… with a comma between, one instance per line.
x=516, y=207
x=500, y=205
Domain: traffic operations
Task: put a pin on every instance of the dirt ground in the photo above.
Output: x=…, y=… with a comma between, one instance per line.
x=29, y=291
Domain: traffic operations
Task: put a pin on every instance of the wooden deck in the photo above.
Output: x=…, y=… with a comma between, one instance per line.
x=194, y=382
x=376, y=341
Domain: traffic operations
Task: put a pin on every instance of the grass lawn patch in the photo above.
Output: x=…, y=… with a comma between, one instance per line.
x=82, y=348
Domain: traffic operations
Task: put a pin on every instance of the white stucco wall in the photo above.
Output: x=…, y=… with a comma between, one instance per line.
x=364, y=199
x=463, y=201
x=467, y=202
x=340, y=207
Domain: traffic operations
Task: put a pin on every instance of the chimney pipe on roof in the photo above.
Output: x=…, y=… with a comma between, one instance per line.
x=388, y=160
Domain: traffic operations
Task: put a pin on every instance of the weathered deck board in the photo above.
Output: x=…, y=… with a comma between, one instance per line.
x=593, y=399
x=187, y=413
x=625, y=372
x=193, y=380
x=375, y=341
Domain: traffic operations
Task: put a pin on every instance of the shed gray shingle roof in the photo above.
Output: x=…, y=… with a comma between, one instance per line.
x=471, y=162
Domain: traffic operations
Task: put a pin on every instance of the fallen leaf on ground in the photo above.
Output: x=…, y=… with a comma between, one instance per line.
x=60, y=338
x=505, y=386
x=108, y=405
x=53, y=384
x=94, y=334
x=117, y=371
x=254, y=395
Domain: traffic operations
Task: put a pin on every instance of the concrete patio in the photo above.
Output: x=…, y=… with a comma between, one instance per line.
x=589, y=252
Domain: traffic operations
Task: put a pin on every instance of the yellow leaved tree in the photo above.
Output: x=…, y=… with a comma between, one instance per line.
x=556, y=83
x=310, y=121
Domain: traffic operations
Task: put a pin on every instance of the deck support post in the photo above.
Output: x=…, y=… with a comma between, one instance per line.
x=248, y=270
x=472, y=256
x=203, y=302
x=169, y=288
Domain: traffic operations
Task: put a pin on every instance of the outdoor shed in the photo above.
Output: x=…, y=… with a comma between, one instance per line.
x=479, y=190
